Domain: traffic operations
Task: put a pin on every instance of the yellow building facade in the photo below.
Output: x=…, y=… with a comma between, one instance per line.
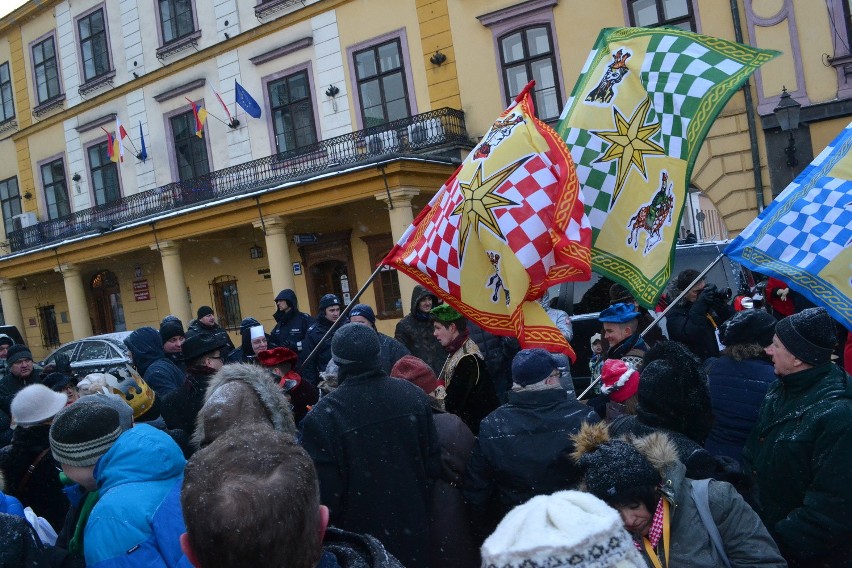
x=366, y=107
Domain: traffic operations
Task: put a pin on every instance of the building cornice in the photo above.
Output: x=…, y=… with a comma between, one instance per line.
x=187, y=62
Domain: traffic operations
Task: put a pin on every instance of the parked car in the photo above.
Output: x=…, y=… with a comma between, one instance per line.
x=728, y=276
x=12, y=332
x=96, y=354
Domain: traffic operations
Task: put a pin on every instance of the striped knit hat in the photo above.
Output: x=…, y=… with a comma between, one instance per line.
x=82, y=433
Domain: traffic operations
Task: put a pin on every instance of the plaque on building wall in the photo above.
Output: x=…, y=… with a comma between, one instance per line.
x=141, y=291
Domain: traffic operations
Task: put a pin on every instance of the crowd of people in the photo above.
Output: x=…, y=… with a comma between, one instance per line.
x=323, y=442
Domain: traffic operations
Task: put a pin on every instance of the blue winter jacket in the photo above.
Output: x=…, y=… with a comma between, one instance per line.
x=737, y=389
x=160, y=372
x=137, y=520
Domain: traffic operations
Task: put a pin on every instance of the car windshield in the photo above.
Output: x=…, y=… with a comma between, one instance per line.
x=96, y=350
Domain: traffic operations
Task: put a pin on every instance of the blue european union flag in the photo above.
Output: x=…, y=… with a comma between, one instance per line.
x=245, y=100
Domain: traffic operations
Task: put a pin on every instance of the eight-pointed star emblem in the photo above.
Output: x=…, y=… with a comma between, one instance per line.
x=479, y=201
x=630, y=142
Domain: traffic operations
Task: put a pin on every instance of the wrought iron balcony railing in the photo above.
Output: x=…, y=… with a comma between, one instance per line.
x=413, y=135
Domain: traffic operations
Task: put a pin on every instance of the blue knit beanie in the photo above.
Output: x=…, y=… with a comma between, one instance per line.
x=532, y=366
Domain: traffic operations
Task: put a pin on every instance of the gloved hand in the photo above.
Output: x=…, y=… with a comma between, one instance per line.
x=62, y=364
x=782, y=293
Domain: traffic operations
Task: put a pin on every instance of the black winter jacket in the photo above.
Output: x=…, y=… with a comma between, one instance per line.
x=688, y=323
x=43, y=490
x=291, y=327
x=376, y=450
x=523, y=450
x=319, y=362
x=415, y=332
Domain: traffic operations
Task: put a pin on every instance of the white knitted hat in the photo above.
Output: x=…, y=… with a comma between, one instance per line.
x=36, y=404
x=568, y=528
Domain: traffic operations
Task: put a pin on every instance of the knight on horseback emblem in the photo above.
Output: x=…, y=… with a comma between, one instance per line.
x=652, y=216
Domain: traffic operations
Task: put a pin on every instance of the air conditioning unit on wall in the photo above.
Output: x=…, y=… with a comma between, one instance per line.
x=24, y=220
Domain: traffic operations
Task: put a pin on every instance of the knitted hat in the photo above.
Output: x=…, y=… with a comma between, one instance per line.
x=568, y=528
x=204, y=311
x=364, y=311
x=615, y=467
x=277, y=356
x=619, y=380
x=256, y=332
x=117, y=403
x=748, y=326
x=132, y=389
x=16, y=353
x=595, y=338
x=445, y=313
x=673, y=391
x=417, y=372
x=35, y=404
x=82, y=433
x=56, y=381
x=532, y=366
x=618, y=294
x=619, y=313
x=355, y=348
x=6, y=340
x=199, y=344
x=809, y=335
x=327, y=301
x=171, y=328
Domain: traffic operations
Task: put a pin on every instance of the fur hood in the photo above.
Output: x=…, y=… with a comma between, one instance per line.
x=657, y=449
x=276, y=407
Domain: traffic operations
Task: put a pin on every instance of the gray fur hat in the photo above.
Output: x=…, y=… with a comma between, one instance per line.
x=224, y=396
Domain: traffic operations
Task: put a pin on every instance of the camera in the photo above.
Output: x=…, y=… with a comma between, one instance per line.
x=715, y=295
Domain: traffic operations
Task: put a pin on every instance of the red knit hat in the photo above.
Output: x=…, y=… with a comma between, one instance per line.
x=416, y=371
x=619, y=380
x=277, y=356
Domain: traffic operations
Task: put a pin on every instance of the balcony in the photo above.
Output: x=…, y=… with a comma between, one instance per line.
x=431, y=132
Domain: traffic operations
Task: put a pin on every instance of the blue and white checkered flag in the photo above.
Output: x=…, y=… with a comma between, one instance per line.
x=245, y=100
x=804, y=237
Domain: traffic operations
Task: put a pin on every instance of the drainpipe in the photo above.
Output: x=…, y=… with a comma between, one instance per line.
x=752, y=126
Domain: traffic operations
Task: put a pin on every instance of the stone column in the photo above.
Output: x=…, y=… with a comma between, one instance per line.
x=175, y=283
x=75, y=294
x=401, y=216
x=278, y=253
x=11, y=304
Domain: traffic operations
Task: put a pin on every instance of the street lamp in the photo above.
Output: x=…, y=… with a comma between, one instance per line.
x=787, y=113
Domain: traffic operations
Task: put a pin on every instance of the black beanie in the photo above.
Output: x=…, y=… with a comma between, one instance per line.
x=748, y=326
x=327, y=301
x=673, y=392
x=82, y=433
x=616, y=467
x=355, y=348
x=16, y=353
x=809, y=335
x=203, y=311
x=171, y=328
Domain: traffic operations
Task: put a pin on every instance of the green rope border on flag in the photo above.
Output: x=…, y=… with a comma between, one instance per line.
x=819, y=287
x=711, y=104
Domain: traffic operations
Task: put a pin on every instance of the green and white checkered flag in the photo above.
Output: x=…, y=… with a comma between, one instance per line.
x=635, y=122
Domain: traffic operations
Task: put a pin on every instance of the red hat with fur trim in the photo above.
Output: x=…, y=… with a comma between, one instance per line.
x=619, y=380
x=277, y=356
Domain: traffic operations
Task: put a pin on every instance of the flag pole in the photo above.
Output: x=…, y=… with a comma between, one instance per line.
x=343, y=314
x=662, y=314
